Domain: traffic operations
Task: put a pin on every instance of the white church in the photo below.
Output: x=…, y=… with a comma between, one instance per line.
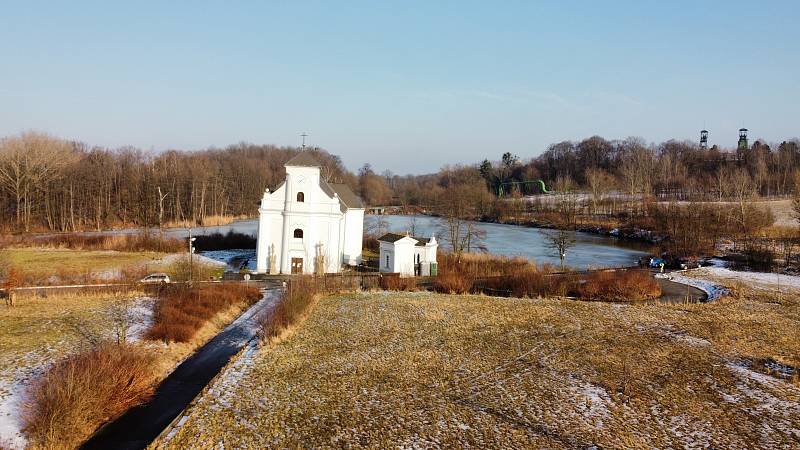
x=308, y=225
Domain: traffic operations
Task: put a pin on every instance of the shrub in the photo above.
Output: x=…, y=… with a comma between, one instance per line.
x=181, y=311
x=397, y=283
x=631, y=285
x=183, y=267
x=453, y=283
x=532, y=283
x=77, y=395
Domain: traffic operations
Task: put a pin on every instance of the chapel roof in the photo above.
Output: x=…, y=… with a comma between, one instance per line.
x=394, y=237
x=303, y=159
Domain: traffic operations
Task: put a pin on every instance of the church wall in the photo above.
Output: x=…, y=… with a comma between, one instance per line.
x=354, y=234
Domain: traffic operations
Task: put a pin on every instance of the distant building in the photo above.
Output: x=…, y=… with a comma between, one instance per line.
x=408, y=255
x=308, y=225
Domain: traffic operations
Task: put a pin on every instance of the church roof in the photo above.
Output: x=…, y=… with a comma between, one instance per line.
x=394, y=237
x=347, y=196
x=303, y=159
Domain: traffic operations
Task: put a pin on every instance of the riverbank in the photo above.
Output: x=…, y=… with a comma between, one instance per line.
x=634, y=234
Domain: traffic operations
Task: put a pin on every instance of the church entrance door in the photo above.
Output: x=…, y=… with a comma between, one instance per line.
x=297, y=265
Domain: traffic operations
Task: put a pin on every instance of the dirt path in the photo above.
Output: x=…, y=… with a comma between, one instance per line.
x=139, y=426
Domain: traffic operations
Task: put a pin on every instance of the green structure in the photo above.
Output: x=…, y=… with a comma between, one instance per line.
x=742, y=140
x=501, y=187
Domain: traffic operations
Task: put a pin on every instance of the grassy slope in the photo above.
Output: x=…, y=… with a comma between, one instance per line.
x=380, y=369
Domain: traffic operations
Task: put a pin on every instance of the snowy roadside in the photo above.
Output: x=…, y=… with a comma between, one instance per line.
x=14, y=383
x=758, y=280
x=712, y=279
x=713, y=291
x=172, y=257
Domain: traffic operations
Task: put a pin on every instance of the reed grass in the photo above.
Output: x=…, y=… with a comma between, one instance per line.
x=182, y=311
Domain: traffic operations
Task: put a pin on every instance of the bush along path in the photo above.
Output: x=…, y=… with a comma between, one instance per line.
x=139, y=426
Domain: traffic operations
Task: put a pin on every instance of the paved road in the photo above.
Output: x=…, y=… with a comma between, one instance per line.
x=672, y=292
x=137, y=428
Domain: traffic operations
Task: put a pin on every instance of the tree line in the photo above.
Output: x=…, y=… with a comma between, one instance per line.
x=679, y=170
x=47, y=183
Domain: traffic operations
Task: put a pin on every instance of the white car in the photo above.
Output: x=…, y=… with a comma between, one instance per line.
x=155, y=278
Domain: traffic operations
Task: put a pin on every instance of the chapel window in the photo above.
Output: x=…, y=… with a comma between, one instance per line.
x=298, y=233
x=301, y=197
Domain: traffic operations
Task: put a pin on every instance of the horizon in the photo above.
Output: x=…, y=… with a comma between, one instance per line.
x=375, y=85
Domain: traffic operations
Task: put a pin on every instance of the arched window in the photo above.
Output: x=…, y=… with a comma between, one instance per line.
x=301, y=197
x=298, y=233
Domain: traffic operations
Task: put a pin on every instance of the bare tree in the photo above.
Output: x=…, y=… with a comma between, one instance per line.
x=412, y=225
x=122, y=316
x=560, y=241
x=27, y=164
x=567, y=200
x=599, y=183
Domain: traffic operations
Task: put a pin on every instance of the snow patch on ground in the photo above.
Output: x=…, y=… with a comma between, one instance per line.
x=226, y=384
x=234, y=259
x=10, y=421
x=756, y=391
x=594, y=399
x=171, y=258
x=688, y=339
x=141, y=314
x=760, y=280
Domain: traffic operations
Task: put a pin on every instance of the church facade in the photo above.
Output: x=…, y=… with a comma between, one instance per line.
x=308, y=225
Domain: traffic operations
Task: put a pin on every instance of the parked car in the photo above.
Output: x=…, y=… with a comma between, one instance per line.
x=155, y=278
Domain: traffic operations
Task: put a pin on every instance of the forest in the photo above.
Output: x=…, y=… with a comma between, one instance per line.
x=52, y=184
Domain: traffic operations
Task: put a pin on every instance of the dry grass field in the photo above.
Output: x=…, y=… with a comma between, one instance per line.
x=430, y=370
x=52, y=265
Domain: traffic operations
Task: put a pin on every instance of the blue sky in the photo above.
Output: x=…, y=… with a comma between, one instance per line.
x=406, y=86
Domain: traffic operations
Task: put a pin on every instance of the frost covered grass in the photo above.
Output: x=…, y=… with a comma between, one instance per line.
x=39, y=332
x=35, y=332
x=430, y=370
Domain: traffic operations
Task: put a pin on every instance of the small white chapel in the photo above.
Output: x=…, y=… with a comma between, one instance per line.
x=308, y=225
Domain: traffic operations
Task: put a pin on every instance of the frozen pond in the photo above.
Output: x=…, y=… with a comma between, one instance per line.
x=589, y=251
